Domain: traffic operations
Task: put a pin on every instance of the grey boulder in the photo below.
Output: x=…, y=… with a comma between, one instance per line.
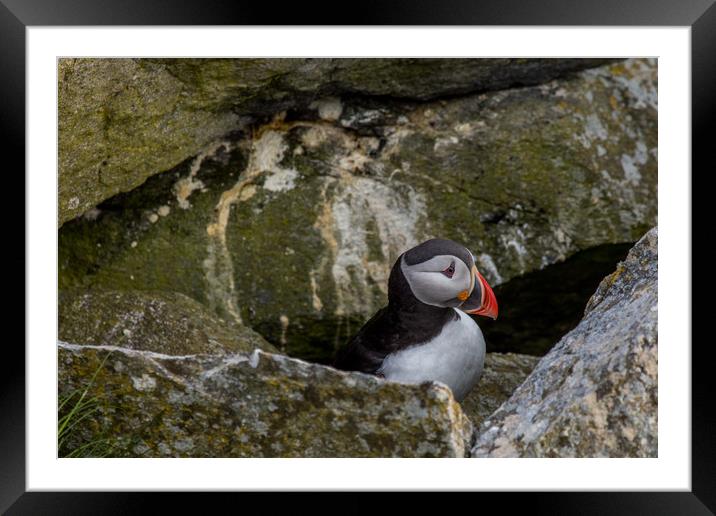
x=150, y=404
x=595, y=393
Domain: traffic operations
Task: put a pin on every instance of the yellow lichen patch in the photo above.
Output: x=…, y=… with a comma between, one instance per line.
x=283, y=319
x=613, y=102
x=315, y=300
x=618, y=69
x=612, y=278
x=313, y=137
x=247, y=193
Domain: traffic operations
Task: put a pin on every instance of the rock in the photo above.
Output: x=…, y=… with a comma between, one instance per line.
x=503, y=373
x=123, y=120
x=263, y=84
x=293, y=231
x=595, y=393
x=163, y=322
x=258, y=405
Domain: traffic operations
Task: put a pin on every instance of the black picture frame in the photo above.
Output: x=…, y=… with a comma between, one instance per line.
x=16, y=15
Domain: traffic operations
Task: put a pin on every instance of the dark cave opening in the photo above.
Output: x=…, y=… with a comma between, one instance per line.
x=537, y=309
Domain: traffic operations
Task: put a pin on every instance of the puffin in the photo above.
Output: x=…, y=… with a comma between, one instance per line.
x=425, y=334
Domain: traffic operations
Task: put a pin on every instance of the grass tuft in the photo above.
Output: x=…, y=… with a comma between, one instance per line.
x=74, y=408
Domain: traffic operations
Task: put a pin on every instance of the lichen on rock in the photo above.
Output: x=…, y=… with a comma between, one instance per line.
x=124, y=120
x=121, y=121
x=595, y=393
x=163, y=322
x=258, y=405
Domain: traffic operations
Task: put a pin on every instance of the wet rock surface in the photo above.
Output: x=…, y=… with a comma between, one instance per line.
x=255, y=405
x=595, y=393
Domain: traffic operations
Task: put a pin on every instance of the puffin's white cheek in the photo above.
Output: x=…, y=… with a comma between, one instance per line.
x=432, y=288
x=430, y=285
x=462, y=279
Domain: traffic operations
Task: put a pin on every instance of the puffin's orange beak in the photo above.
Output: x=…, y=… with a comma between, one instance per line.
x=487, y=305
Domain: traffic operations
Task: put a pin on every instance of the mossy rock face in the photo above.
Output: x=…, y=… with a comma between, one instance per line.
x=163, y=322
x=123, y=120
x=595, y=393
x=153, y=238
x=258, y=405
x=293, y=228
x=526, y=177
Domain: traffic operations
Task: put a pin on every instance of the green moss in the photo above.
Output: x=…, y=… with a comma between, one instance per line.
x=122, y=249
x=375, y=249
x=119, y=123
x=273, y=252
x=287, y=410
x=165, y=322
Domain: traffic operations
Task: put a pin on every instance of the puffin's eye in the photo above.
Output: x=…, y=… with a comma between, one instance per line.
x=450, y=270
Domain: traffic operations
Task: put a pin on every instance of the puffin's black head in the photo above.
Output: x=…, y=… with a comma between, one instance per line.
x=442, y=273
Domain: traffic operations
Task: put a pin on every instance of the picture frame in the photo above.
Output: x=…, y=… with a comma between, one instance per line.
x=16, y=16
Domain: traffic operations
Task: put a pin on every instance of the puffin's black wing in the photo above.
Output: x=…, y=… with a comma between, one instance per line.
x=366, y=351
x=404, y=322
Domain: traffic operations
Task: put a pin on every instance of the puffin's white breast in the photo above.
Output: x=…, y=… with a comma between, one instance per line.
x=454, y=357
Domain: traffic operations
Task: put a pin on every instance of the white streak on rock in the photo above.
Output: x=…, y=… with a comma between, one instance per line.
x=362, y=205
x=254, y=358
x=488, y=267
x=281, y=180
x=283, y=319
x=126, y=351
x=315, y=300
x=227, y=362
x=185, y=186
x=268, y=152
